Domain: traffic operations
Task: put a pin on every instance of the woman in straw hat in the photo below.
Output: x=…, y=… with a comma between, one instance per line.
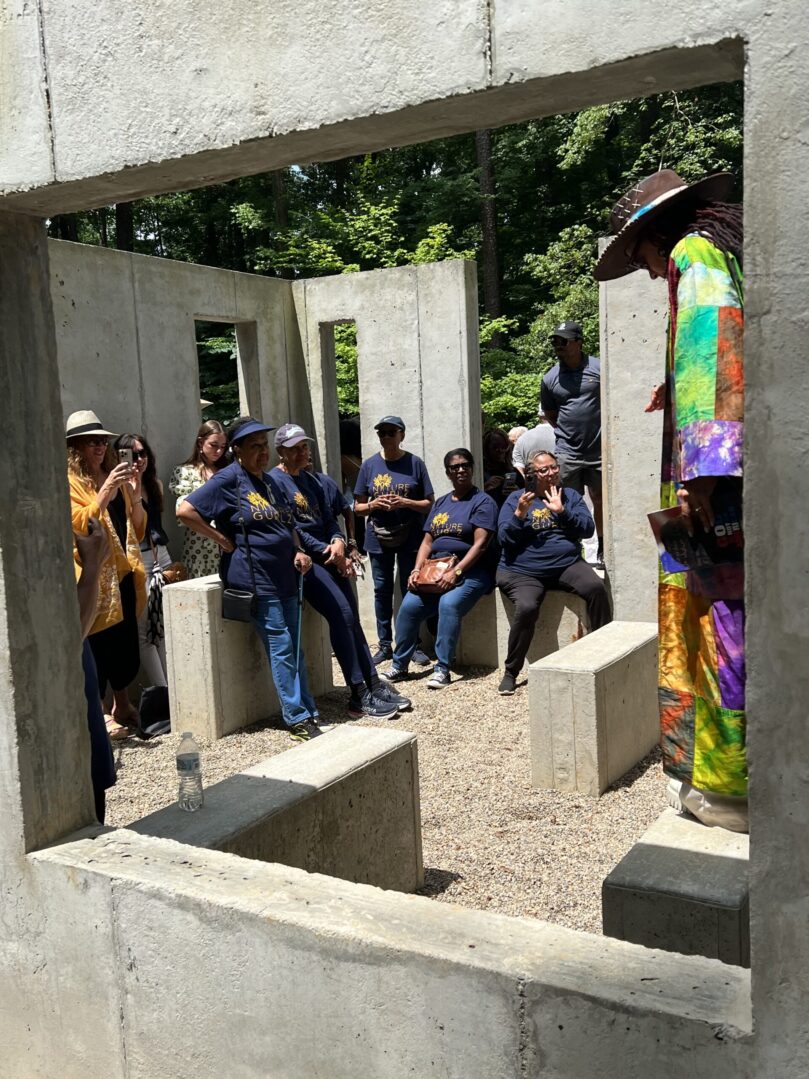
x=689, y=236
x=103, y=489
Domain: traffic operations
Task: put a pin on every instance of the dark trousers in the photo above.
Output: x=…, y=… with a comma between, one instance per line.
x=333, y=598
x=527, y=593
x=383, y=568
x=116, y=650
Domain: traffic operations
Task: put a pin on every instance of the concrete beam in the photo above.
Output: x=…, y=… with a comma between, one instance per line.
x=593, y=708
x=218, y=674
x=683, y=887
x=346, y=805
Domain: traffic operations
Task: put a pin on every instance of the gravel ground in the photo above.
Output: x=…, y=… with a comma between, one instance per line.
x=490, y=840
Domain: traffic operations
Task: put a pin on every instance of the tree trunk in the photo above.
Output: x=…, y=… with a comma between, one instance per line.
x=488, y=220
x=124, y=227
x=66, y=227
x=102, y=227
x=279, y=194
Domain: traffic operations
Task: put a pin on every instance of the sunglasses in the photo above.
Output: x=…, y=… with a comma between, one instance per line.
x=464, y=466
x=387, y=432
x=98, y=440
x=138, y=455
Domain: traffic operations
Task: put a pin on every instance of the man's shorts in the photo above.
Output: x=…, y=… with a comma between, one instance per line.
x=578, y=474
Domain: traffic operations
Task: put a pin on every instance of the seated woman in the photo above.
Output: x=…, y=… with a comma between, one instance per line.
x=540, y=531
x=110, y=492
x=200, y=554
x=461, y=523
x=262, y=553
x=326, y=587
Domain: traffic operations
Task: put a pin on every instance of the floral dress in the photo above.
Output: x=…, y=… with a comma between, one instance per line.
x=200, y=554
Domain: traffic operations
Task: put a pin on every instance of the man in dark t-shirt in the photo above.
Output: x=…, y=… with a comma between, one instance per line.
x=570, y=397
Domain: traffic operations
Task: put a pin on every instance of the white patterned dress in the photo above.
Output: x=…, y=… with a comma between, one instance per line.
x=200, y=554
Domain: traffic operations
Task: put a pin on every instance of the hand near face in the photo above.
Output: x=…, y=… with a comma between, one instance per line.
x=524, y=503
x=493, y=482
x=121, y=474
x=553, y=499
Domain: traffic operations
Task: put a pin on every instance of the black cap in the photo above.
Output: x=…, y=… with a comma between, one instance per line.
x=390, y=421
x=570, y=331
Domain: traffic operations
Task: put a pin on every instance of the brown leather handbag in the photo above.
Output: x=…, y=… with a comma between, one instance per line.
x=427, y=577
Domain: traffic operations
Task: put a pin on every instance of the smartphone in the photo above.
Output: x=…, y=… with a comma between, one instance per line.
x=125, y=457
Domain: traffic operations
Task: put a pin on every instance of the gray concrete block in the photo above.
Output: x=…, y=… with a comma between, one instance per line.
x=593, y=708
x=683, y=887
x=218, y=674
x=346, y=804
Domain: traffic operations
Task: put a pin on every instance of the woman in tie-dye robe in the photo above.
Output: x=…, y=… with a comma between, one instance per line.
x=696, y=244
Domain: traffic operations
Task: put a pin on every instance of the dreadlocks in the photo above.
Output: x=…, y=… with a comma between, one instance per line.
x=721, y=222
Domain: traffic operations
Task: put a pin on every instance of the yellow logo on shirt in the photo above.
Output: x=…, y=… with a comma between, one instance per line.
x=301, y=501
x=541, y=519
x=257, y=501
x=440, y=519
x=382, y=482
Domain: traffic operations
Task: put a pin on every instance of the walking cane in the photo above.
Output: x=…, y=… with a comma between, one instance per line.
x=300, y=620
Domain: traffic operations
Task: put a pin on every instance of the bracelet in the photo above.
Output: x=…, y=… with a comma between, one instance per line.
x=351, y=545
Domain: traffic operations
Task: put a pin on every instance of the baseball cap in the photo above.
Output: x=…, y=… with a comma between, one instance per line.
x=290, y=434
x=570, y=331
x=390, y=421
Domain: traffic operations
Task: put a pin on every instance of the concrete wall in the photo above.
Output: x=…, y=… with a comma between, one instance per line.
x=100, y=107
x=633, y=314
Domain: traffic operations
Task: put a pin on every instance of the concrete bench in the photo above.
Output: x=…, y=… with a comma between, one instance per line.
x=484, y=631
x=593, y=708
x=218, y=674
x=346, y=804
x=684, y=888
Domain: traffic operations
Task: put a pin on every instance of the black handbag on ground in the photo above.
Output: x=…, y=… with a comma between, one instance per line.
x=239, y=605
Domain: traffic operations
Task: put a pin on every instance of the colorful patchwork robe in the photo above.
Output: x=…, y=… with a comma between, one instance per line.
x=702, y=674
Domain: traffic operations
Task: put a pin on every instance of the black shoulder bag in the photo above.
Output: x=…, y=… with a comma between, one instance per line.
x=239, y=605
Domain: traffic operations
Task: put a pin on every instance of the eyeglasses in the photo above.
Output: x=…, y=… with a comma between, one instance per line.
x=546, y=470
x=98, y=440
x=139, y=455
x=387, y=432
x=464, y=466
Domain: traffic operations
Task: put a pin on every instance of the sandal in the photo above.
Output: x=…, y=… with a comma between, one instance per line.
x=114, y=729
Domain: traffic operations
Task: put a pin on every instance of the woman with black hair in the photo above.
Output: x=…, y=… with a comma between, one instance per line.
x=687, y=235
x=462, y=524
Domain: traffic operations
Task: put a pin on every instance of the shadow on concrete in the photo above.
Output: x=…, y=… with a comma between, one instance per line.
x=437, y=881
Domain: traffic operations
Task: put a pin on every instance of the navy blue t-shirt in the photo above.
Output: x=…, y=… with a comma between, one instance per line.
x=543, y=541
x=334, y=496
x=407, y=477
x=452, y=524
x=313, y=516
x=268, y=520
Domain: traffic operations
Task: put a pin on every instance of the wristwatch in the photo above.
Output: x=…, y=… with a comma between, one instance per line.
x=458, y=572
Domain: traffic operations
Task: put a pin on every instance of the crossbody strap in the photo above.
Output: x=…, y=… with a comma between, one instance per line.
x=244, y=533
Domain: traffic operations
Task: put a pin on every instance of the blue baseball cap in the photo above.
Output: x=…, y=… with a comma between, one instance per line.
x=248, y=426
x=390, y=421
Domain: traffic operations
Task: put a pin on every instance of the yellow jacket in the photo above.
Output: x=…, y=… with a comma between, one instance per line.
x=119, y=562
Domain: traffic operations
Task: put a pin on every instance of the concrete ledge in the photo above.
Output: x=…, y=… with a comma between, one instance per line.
x=218, y=674
x=593, y=708
x=683, y=887
x=346, y=805
x=403, y=985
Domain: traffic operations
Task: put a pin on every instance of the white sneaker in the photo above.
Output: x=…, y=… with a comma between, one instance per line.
x=713, y=810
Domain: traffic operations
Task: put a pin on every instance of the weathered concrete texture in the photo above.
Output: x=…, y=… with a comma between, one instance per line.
x=683, y=887
x=346, y=805
x=218, y=674
x=402, y=985
x=25, y=138
x=430, y=69
x=593, y=708
x=633, y=359
x=484, y=631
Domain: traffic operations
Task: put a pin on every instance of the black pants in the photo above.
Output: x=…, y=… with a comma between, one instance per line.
x=527, y=593
x=116, y=650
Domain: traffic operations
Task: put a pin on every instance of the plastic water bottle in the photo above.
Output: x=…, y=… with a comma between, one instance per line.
x=189, y=773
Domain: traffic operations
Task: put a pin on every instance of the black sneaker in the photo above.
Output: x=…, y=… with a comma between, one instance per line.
x=395, y=674
x=420, y=658
x=305, y=732
x=383, y=692
x=384, y=653
x=507, y=685
x=375, y=708
x=599, y=563
x=438, y=679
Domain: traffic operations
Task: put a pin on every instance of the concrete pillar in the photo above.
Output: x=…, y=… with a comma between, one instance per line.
x=633, y=357
x=45, y=789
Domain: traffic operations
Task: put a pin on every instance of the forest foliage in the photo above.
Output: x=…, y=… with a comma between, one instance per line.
x=550, y=184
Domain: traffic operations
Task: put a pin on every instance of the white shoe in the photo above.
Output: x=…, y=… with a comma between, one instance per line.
x=713, y=810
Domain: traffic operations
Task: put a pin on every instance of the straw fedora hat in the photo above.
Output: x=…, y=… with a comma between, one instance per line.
x=642, y=204
x=85, y=422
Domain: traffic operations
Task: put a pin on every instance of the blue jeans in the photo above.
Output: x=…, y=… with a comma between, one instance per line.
x=333, y=598
x=450, y=608
x=383, y=568
x=276, y=622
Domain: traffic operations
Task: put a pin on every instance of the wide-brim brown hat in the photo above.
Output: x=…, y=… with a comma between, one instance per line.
x=85, y=423
x=642, y=204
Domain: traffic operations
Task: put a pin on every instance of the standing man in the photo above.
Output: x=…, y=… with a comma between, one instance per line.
x=570, y=397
